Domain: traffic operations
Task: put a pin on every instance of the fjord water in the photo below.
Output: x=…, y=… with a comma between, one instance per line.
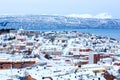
x=110, y=33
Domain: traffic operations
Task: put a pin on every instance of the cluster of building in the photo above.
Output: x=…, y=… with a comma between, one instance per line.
x=58, y=55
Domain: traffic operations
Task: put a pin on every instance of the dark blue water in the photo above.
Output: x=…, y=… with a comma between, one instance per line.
x=110, y=33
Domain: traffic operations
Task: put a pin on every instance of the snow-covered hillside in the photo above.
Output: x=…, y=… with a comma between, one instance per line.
x=37, y=22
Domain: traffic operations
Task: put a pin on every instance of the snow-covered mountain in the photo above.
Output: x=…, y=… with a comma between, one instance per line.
x=37, y=22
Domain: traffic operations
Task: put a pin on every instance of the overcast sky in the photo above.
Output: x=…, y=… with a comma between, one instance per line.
x=60, y=7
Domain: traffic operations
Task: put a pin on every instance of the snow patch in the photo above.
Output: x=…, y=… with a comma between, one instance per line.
x=101, y=15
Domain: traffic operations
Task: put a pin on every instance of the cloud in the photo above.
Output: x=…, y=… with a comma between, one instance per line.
x=101, y=15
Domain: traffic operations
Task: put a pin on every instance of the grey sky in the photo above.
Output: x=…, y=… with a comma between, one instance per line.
x=60, y=7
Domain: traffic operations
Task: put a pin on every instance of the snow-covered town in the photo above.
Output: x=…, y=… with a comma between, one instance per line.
x=58, y=55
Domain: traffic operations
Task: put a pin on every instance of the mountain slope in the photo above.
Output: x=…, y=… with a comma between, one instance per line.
x=36, y=22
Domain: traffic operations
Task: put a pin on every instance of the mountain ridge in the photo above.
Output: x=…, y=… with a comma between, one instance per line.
x=37, y=22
